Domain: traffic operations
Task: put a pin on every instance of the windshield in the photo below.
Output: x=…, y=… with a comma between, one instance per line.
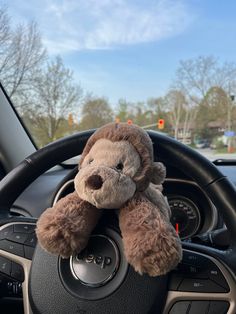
x=166, y=65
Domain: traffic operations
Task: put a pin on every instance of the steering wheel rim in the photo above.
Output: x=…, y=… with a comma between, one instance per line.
x=209, y=178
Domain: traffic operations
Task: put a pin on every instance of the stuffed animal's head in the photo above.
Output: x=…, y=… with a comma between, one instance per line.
x=116, y=162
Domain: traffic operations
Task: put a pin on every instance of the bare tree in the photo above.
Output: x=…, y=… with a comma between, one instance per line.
x=21, y=55
x=195, y=77
x=175, y=102
x=181, y=113
x=189, y=118
x=198, y=78
x=4, y=29
x=55, y=97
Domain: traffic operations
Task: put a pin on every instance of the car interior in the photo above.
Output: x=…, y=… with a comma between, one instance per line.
x=33, y=281
x=165, y=69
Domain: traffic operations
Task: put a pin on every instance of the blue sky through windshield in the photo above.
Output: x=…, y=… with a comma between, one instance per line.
x=130, y=49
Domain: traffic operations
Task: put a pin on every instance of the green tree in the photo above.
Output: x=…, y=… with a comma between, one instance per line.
x=157, y=106
x=212, y=113
x=96, y=111
x=124, y=110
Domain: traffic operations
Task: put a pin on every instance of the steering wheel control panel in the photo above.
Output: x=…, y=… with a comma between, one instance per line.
x=11, y=278
x=19, y=239
x=204, y=307
x=197, y=273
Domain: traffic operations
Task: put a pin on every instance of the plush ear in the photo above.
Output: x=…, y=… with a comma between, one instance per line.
x=158, y=173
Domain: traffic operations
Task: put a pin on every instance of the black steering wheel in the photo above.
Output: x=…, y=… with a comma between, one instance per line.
x=204, y=281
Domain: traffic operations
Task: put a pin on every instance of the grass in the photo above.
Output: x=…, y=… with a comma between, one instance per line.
x=223, y=150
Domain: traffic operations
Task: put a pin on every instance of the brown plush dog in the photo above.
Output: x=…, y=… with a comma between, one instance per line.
x=116, y=171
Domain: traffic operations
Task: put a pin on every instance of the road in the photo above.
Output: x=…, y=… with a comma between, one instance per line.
x=212, y=155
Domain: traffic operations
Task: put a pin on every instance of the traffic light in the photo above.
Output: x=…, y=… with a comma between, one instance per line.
x=161, y=124
x=70, y=119
x=130, y=121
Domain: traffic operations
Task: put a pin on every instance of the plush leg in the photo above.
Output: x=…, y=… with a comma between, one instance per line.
x=66, y=227
x=151, y=244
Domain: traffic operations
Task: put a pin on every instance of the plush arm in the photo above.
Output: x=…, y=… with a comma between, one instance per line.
x=151, y=244
x=158, y=173
x=66, y=226
x=154, y=194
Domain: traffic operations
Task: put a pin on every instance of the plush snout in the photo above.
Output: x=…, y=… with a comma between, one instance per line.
x=94, y=182
x=104, y=187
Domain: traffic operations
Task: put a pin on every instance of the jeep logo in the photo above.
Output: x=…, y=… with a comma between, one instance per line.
x=100, y=260
x=97, y=263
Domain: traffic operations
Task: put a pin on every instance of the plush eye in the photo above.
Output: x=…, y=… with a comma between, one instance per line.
x=119, y=166
x=90, y=161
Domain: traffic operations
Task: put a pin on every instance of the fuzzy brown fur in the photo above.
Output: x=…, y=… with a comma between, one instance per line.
x=66, y=227
x=116, y=171
x=139, y=139
x=151, y=244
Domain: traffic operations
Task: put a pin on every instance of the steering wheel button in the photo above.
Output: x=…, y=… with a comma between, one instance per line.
x=11, y=247
x=4, y=233
x=17, y=237
x=174, y=281
x=29, y=252
x=188, y=270
x=215, y=274
x=17, y=272
x=219, y=307
x=24, y=228
x=199, y=307
x=180, y=307
x=5, y=265
x=200, y=285
x=31, y=240
x=194, y=259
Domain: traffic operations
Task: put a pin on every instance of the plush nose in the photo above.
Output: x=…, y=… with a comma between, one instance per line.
x=94, y=182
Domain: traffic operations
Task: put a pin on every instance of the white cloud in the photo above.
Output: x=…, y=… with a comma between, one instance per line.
x=70, y=25
x=131, y=25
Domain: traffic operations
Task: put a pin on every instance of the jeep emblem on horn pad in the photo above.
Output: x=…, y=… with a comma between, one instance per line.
x=97, y=263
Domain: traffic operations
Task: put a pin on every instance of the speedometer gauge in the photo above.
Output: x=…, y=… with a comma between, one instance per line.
x=185, y=216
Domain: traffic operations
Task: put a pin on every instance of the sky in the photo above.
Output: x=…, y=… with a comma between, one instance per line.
x=130, y=49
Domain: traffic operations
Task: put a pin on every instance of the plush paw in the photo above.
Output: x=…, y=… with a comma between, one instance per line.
x=151, y=244
x=153, y=254
x=155, y=257
x=65, y=228
x=58, y=235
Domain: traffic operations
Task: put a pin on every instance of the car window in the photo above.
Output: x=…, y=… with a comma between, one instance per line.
x=163, y=65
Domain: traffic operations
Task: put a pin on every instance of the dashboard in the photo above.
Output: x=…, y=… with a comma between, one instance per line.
x=192, y=211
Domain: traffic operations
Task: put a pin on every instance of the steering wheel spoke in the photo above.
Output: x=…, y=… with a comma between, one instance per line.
x=17, y=244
